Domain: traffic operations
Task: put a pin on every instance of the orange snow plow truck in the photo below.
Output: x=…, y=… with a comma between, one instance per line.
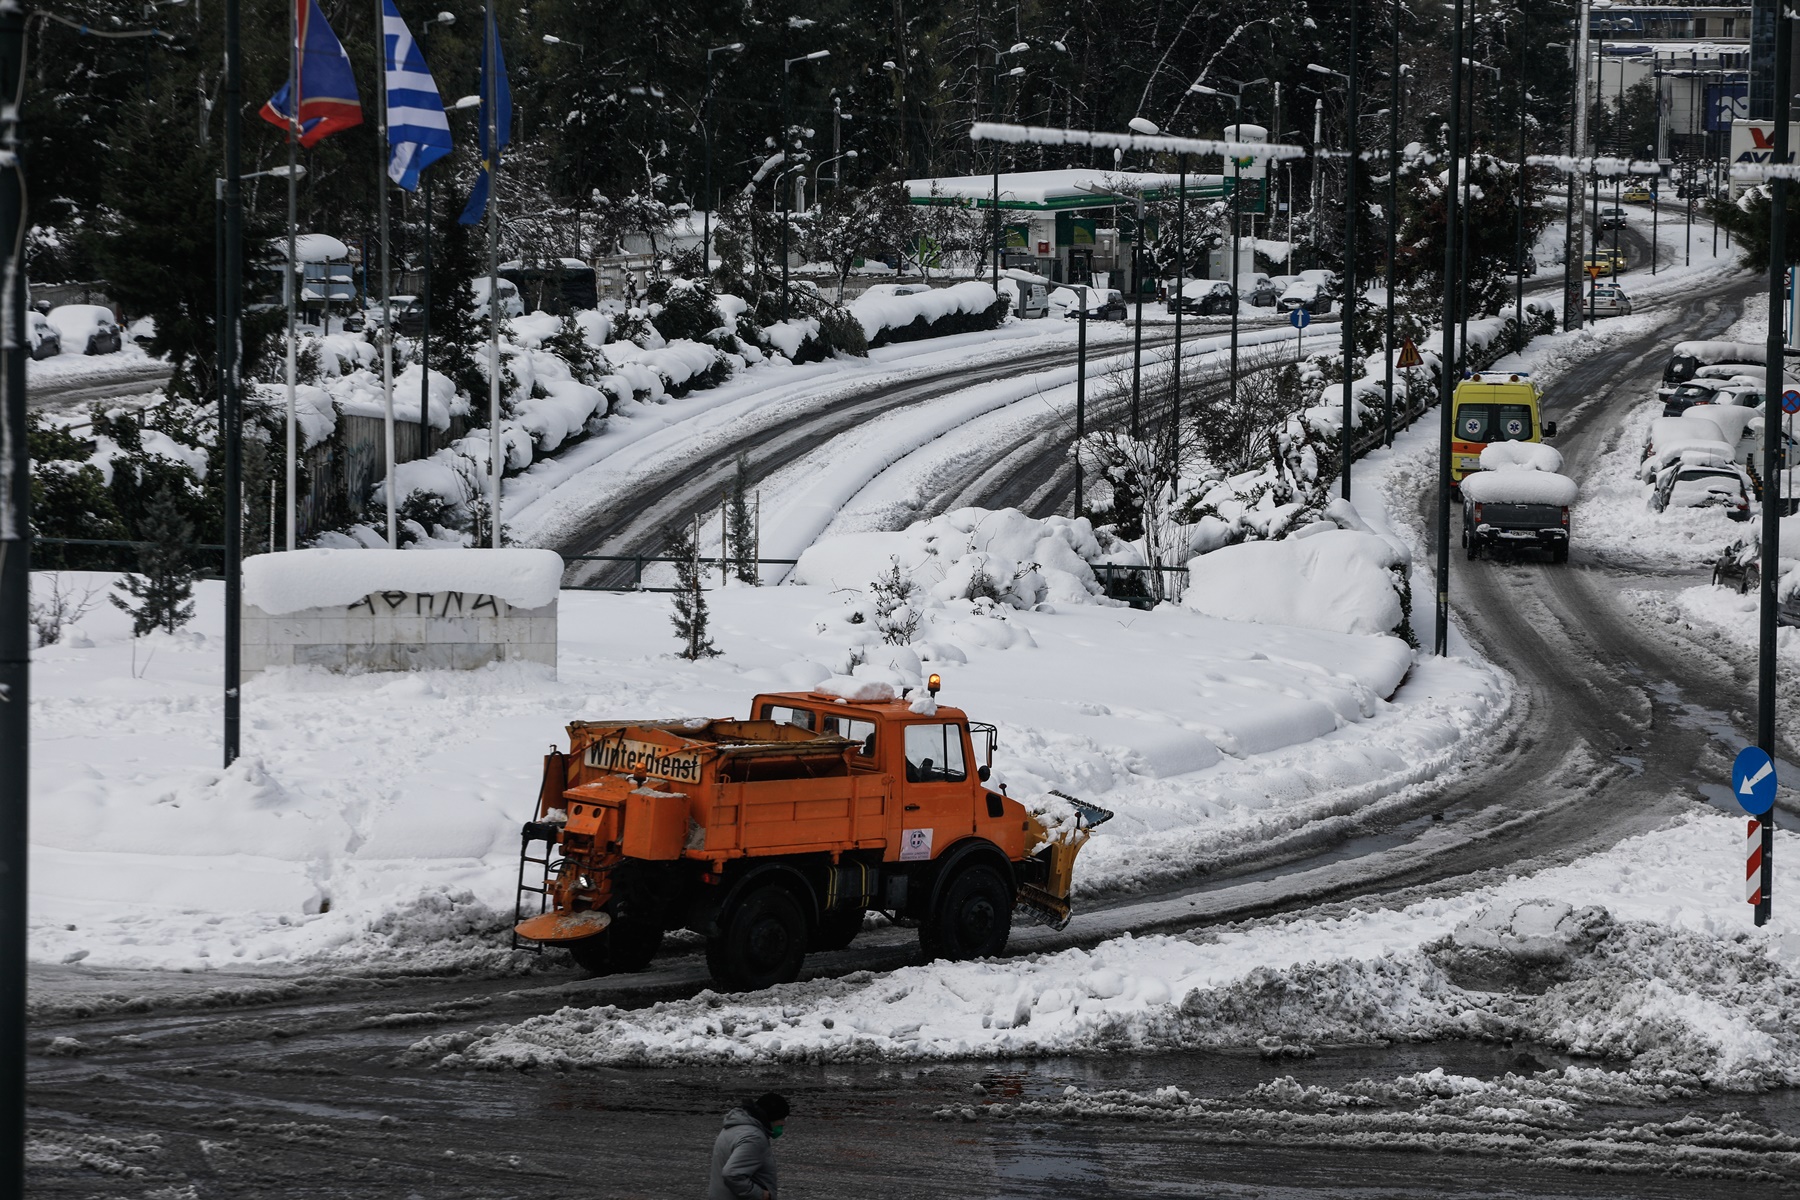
x=773, y=836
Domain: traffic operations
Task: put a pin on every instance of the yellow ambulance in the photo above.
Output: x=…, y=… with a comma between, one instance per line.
x=1493, y=406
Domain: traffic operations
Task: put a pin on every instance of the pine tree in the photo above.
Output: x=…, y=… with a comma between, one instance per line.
x=743, y=529
x=690, y=599
x=164, y=585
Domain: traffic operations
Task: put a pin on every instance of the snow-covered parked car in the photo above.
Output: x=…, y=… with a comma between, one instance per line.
x=1701, y=484
x=1027, y=300
x=510, y=304
x=1518, y=501
x=45, y=341
x=1674, y=438
x=1258, y=290
x=1203, y=298
x=87, y=328
x=1103, y=304
x=1740, y=568
x=1304, y=294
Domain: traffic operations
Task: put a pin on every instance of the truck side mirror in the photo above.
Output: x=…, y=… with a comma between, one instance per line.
x=982, y=772
x=1549, y=429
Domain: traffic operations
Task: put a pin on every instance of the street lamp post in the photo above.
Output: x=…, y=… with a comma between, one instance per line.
x=996, y=244
x=1148, y=127
x=1447, y=381
x=706, y=138
x=786, y=144
x=1393, y=214
x=1237, y=102
x=1350, y=289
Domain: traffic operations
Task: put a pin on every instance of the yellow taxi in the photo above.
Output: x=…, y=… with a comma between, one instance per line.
x=1637, y=195
x=1489, y=407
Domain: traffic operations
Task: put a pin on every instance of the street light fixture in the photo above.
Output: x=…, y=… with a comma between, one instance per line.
x=550, y=39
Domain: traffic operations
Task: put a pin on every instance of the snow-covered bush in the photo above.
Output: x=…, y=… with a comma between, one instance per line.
x=1326, y=576
x=961, y=308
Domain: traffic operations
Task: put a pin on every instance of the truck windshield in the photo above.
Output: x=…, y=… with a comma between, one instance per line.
x=1493, y=422
x=934, y=754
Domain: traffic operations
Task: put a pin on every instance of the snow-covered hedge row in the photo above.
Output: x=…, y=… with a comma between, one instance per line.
x=961, y=308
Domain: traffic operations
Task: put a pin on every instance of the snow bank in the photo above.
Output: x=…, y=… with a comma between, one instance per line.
x=299, y=579
x=880, y=313
x=972, y=551
x=1333, y=579
x=1642, y=954
x=1520, y=485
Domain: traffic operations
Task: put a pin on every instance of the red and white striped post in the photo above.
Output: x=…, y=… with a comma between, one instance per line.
x=1753, y=864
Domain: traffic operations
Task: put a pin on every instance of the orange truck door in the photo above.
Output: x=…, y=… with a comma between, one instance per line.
x=935, y=808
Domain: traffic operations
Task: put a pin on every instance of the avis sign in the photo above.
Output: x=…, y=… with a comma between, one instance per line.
x=1753, y=144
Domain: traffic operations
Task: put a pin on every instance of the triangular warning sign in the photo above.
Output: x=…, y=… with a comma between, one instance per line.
x=1409, y=355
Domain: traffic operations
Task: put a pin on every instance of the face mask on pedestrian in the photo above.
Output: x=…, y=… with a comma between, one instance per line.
x=775, y=1131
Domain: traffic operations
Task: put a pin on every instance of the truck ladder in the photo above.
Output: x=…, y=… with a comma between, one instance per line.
x=532, y=832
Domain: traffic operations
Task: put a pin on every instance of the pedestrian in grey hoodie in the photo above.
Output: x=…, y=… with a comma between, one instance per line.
x=743, y=1158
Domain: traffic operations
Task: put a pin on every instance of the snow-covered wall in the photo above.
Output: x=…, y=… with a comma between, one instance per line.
x=397, y=610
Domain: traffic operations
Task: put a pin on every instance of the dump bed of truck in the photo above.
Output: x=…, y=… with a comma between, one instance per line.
x=721, y=789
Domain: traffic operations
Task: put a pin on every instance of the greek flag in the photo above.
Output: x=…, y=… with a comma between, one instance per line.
x=418, y=131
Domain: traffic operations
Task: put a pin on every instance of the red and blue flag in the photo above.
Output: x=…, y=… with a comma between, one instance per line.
x=328, y=98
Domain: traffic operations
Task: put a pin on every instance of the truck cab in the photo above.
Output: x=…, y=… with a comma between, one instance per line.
x=1493, y=407
x=773, y=836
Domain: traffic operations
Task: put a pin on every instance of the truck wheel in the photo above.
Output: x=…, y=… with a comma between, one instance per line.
x=763, y=943
x=837, y=929
x=973, y=918
x=625, y=948
x=1559, y=554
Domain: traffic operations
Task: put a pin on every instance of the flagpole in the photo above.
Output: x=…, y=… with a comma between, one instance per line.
x=296, y=276
x=387, y=313
x=493, y=214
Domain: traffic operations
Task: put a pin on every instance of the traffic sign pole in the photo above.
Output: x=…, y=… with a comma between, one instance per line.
x=1753, y=785
x=1300, y=318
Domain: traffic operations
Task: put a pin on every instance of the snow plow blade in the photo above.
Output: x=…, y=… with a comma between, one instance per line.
x=1049, y=904
x=557, y=928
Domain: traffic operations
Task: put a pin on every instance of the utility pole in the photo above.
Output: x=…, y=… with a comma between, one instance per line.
x=15, y=618
x=1575, y=242
x=496, y=449
x=1350, y=289
x=1318, y=177
x=706, y=199
x=230, y=376
x=1448, y=373
x=1393, y=219
x=1772, y=447
x=1137, y=337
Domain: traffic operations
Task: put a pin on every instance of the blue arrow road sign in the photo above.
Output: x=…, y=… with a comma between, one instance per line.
x=1753, y=781
x=1790, y=401
x=1299, y=318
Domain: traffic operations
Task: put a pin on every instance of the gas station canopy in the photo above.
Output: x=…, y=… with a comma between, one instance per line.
x=1056, y=191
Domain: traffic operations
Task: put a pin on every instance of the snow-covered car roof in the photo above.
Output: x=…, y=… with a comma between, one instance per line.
x=1520, y=485
x=74, y=322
